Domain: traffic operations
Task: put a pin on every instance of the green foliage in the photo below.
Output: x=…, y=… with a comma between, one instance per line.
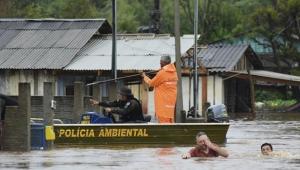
x=274, y=100
x=278, y=23
x=79, y=9
x=127, y=16
x=218, y=19
x=279, y=104
x=34, y=11
x=263, y=95
x=295, y=71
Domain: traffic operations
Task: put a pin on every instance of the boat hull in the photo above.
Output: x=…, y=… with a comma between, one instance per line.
x=137, y=134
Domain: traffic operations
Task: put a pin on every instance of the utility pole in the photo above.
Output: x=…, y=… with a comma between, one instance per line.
x=179, y=103
x=155, y=18
x=113, y=85
x=154, y=24
x=114, y=43
x=195, y=58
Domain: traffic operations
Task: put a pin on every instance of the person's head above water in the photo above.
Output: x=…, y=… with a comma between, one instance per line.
x=266, y=149
x=201, y=139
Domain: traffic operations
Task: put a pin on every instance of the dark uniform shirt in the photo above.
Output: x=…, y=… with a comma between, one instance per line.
x=130, y=110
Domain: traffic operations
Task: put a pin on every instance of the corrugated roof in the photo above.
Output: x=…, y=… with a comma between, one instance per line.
x=219, y=58
x=264, y=75
x=44, y=43
x=275, y=75
x=134, y=52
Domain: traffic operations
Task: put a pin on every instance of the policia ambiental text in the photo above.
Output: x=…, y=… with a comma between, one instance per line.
x=105, y=132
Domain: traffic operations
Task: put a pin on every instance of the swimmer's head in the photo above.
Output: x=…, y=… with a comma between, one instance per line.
x=266, y=149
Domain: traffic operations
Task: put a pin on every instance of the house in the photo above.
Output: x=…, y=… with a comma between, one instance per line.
x=214, y=87
x=228, y=74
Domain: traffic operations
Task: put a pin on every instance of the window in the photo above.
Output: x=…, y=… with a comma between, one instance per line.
x=70, y=90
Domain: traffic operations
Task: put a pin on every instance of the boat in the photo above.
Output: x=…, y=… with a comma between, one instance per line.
x=149, y=134
x=99, y=129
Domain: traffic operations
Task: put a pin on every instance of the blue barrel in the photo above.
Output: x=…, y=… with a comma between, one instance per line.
x=38, y=141
x=94, y=118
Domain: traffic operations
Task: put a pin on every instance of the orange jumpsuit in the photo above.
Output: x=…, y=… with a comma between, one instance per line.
x=165, y=93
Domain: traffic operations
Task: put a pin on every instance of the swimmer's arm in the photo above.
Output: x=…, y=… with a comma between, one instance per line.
x=221, y=151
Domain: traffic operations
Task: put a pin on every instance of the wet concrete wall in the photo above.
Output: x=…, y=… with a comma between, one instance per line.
x=17, y=122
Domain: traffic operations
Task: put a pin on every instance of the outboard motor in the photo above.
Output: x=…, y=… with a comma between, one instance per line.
x=147, y=118
x=217, y=113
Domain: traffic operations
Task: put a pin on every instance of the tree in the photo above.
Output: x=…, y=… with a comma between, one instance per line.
x=130, y=15
x=34, y=11
x=217, y=18
x=79, y=9
x=4, y=7
x=278, y=26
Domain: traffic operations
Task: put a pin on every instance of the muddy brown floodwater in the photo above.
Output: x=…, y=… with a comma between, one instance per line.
x=243, y=143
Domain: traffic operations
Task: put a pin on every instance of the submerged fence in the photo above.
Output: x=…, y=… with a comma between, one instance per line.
x=64, y=107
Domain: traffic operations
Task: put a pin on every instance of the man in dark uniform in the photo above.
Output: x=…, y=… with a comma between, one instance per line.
x=128, y=107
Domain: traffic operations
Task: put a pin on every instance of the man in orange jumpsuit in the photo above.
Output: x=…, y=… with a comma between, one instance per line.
x=165, y=90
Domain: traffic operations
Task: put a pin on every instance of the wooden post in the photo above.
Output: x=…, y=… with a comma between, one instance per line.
x=112, y=91
x=1, y=134
x=48, y=111
x=12, y=141
x=203, y=72
x=144, y=97
x=113, y=95
x=97, y=95
x=17, y=122
x=179, y=100
x=78, y=101
x=252, y=94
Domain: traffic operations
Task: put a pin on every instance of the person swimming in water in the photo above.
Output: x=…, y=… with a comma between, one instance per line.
x=266, y=149
x=205, y=148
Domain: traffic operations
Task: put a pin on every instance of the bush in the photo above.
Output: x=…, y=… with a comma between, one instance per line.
x=263, y=95
x=274, y=100
x=279, y=104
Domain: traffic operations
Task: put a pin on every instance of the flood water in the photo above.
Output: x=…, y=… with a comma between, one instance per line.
x=243, y=143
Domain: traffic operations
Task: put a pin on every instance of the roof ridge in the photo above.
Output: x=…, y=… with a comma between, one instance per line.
x=137, y=36
x=220, y=45
x=49, y=19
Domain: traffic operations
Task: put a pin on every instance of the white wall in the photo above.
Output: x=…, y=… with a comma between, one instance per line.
x=215, y=90
x=45, y=76
x=151, y=109
x=3, y=82
x=12, y=78
x=188, y=95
